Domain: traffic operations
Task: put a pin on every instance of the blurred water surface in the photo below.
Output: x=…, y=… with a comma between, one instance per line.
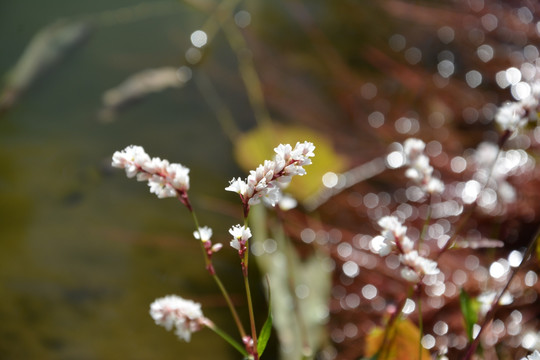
x=83, y=249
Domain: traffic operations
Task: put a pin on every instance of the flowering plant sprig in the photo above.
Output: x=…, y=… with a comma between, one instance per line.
x=394, y=238
x=266, y=181
x=164, y=179
x=419, y=170
x=172, y=180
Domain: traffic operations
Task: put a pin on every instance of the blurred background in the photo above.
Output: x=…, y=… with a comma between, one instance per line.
x=84, y=251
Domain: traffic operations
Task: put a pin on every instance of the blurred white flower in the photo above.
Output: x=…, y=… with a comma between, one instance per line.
x=393, y=238
x=204, y=233
x=419, y=169
x=419, y=264
x=173, y=311
x=513, y=116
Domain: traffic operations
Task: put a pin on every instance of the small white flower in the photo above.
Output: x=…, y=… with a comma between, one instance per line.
x=178, y=176
x=238, y=186
x=241, y=235
x=204, y=233
x=173, y=311
x=132, y=158
x=159, y=186
x=381, y=245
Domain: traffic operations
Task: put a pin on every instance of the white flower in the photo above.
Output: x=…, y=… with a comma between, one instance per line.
x=419, y=264
x=287, y=202
x=510, y=116
x=381, y=245
x=241, y=235
x=178, y=176
x=173, y=311
x=265, y=181
x=204, y=233
x=513, y=116
x=164, y=179
x=159, y=186
x=238, y=186
x=413, y=147
x=419, y=169
x=132, y=158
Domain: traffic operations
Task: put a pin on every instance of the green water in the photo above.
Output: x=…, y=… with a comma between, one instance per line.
x=83, y=249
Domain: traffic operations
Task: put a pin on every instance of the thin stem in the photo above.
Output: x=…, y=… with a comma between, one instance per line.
x=495, y=304
x=248, y=296
x=218, y=282
x=251, y=317
x=470, y=212
x=226, y=337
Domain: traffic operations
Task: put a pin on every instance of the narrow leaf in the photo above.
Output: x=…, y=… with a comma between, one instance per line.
x=266, y=330
x=468, y=309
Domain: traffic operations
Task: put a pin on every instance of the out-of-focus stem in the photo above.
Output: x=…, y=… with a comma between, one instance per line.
x=495, y=304
x=469, y=213
x=222, y=112
x=390, y=326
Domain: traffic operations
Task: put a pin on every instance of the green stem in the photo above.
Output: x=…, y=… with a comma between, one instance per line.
x=248, y=296
x=219, y=283
x=227, y=338
x=251, y=316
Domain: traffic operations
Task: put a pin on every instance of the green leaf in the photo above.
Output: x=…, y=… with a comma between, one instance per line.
x=469, y=309
x=266, y=330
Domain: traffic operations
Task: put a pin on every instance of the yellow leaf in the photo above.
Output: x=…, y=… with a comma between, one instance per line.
x=402, y=342
x=255, y=146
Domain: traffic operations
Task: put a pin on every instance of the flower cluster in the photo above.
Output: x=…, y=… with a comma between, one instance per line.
x=164, y=179
x=394, y=237
x=489, y=185
x=419, y=169
x=184, y=315
x=266, y=181
x=513, y=116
